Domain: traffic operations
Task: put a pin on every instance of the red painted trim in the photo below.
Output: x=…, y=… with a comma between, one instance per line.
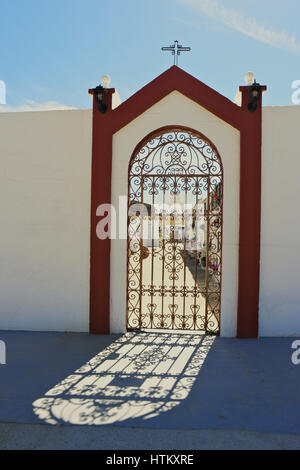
x=171, y=80
x=250, y=219
x=100, y=194
x=249, y=125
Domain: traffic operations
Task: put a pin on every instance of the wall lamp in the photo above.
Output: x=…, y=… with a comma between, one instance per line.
x=254, y=90
x=101, y=94
x=101, y=98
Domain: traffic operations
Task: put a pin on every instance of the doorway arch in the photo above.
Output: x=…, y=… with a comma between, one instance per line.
x=175, y=232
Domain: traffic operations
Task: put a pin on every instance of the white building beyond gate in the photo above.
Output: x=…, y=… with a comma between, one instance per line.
x=45, y=176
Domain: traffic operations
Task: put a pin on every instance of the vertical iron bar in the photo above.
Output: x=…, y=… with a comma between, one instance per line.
x=152, y=256
x=163, y=250
x=196, y=259
x=174, y=264
x=207, y=253
x=184, y=254
x=141, y=251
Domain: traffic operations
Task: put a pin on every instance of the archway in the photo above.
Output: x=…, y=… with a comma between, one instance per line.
x=175, y=221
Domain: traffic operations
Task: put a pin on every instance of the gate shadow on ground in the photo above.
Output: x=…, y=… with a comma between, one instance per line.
x=140, y=376
x=150, y=380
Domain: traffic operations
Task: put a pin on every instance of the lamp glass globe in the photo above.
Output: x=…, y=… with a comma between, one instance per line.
x=105, y=81
x=249, y=78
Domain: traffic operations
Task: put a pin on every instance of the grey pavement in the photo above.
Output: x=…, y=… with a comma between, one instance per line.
x=43, y=437
x=148, y=391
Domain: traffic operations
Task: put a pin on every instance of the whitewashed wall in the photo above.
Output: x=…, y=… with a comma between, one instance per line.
x=45, y=161
x=45, y=166
x=280, y=256
x=176, y=109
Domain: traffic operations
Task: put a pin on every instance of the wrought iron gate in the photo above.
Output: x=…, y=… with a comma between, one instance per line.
x=175, y=221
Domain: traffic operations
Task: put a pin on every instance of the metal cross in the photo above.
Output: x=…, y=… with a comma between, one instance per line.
x=176, y=49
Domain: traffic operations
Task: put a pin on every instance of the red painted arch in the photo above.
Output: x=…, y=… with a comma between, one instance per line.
x=249, y=125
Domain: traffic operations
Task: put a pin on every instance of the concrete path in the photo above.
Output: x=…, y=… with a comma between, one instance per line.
x=204, y=391
x=39, y=437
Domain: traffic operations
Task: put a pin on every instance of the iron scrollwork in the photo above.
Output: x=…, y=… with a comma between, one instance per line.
x=173, y=283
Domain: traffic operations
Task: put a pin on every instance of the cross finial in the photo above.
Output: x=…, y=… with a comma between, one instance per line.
x=176, y=50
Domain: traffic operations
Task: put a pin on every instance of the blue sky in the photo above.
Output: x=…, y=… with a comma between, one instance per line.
x=52, y=51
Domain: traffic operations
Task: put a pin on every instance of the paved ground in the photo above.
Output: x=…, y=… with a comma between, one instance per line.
x=148, y=390
x=38, y=437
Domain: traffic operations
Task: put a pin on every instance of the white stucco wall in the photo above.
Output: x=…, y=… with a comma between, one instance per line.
x=176, y=109
x=280, y=256
x=45, y=174
x=45, y=166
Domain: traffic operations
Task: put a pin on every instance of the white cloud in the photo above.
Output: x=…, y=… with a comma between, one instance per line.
x=30, y=105
x=245, y=25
